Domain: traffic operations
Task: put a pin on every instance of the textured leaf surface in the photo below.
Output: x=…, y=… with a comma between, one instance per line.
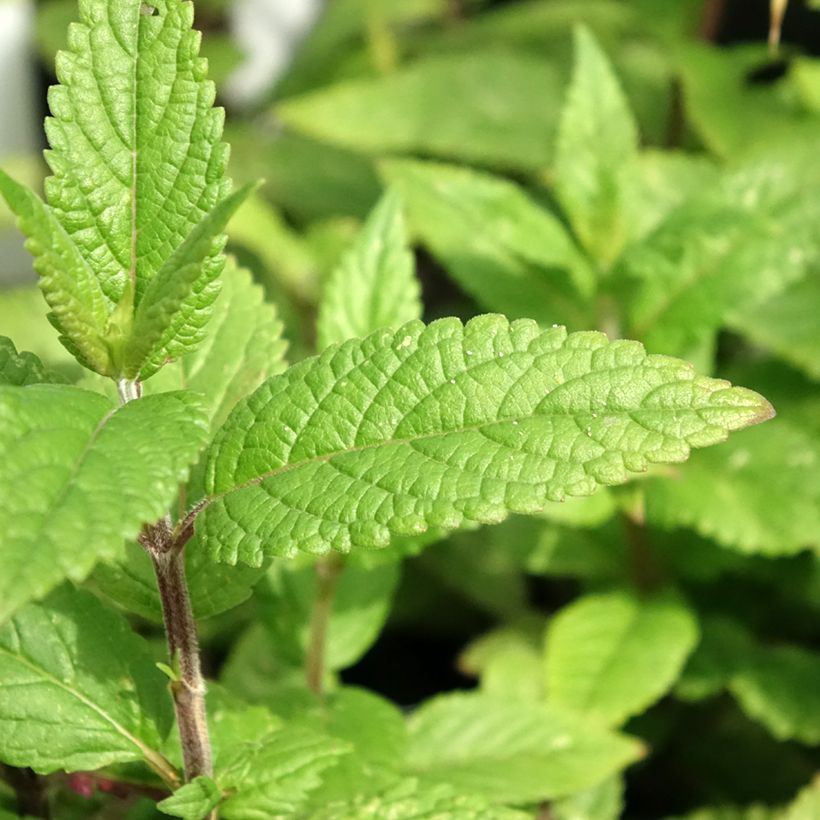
x=596, y=153
x=374, y=285
x=758, y=493
x=79, y=478
x=78, y=690
x=19, y=369
x=243, y=345
x=611, y=656
x=136, y=154
x=511, y=752
x=79, y=308
x=444, y=425
x=439, y=106
x=504, y=250
x=411, y=799
x=193, y=801
x=273, y=774
x=171, y=316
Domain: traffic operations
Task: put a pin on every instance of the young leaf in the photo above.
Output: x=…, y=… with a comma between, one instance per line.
x=446, y=424
x=19, y=369
x=503, y=249
x=610, y=656
x=438, y=106
x=78, y=689
x=374, y=285
x=243, y=345
x=138, y=165
x=79, y=308
x=510, y=752
x=80, y=477
x=193, y=801
x=596, y=153
x=761, y=495
x=171, y=316
x=412, y=799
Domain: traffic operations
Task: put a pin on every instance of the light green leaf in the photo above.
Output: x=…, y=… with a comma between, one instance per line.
x=243, y=345
x=786, y=324
x=78, y=689
x=446, y=424
x=503, y=249
x=79, y=478
x=374, y=286
x=806, y=806
x=757, y=494
x=361, y=604
x=596, y=153
x=137, y=166
x=271, y=775
x=135, y=107
x=412, y=799
x=79, y=308
x=777, y=686
x=193, y=801
x=511, y=752
x=439, y=106
x=176, y=304
x=722, y=253
x=610, y=656
x=19, y=369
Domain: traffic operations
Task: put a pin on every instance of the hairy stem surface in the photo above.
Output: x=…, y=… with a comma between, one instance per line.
x=180, y=629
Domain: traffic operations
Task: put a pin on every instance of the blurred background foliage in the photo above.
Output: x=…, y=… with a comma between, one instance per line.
x=457, y=104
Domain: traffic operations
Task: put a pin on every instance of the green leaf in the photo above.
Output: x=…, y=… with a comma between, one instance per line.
x=193, y=801
x=504, y=250
x=438, y=106
x=79, y=308
x=806, y=805
x=511, y=752
x=361, y=604
x=79, y=478
x=176, y=305
x=411, y=799
x=78, y=690
x=272, y=774
x=133, y=107
x=19, y=369
x=128, y=581
x=610, y=656
x=602, y=802
x=446, y=424
x=786, y=324
x=757, y=494
x=137, y=166
x=596, y=153
x=243, y=345
x=374, y=286
x=777, y=686
x=721, y=254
